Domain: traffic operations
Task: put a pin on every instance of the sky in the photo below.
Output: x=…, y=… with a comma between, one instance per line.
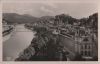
x=38, y=9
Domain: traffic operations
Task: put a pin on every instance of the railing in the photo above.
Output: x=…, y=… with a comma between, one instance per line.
x=69, y=36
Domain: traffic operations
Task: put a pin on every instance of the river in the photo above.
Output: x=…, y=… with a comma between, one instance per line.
x=16, y=42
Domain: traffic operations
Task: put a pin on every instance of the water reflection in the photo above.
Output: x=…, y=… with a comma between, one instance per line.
x=17, y=42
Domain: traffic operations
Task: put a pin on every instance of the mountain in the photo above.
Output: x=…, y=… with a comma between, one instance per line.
x=91, y=21
x=65, y=18
x=47, y=17
x=16, y=18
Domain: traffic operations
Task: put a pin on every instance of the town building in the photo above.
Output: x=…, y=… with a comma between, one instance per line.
x=85, y=45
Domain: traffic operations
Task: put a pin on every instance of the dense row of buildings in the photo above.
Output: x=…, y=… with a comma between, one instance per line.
x=84, y=34
x=86, y=38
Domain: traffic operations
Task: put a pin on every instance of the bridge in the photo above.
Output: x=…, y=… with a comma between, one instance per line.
x=66, y=41
x=21, y=28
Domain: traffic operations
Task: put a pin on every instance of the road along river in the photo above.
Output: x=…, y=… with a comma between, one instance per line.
x=16, y=42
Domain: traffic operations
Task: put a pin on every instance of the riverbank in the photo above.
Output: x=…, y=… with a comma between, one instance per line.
x=47, y=47
x=6, y=32
x=17, y=42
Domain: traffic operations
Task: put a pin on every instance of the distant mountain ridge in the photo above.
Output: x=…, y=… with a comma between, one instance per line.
x=16, y=18
x=25, y=18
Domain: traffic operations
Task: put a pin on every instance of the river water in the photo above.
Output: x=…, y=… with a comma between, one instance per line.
x=16, y=42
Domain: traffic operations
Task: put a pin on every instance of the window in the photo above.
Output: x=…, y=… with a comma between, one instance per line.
x=86, y=39
x=89, y=47
x=85, y=47
x=81, y=47
x=85, y=53
x=82, y=52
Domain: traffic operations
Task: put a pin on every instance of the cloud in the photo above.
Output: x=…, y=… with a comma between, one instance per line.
x=77, y=10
